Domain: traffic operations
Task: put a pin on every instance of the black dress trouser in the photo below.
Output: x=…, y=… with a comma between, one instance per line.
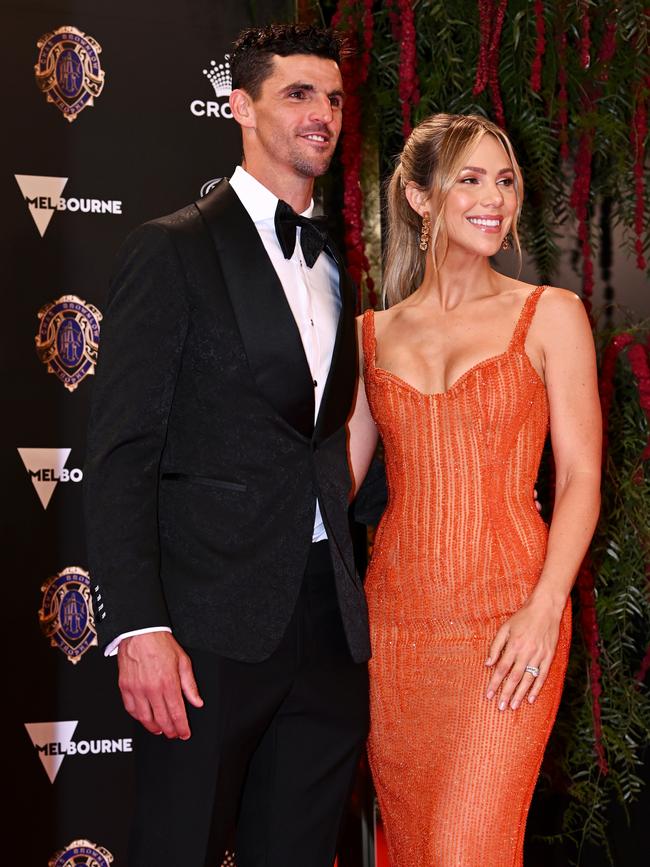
x=273, y=750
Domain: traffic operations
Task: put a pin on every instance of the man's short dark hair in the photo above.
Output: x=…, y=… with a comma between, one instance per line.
x=251, y=59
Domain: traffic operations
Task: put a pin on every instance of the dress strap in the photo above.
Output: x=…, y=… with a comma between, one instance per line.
x=525, y=318
x=368, y=340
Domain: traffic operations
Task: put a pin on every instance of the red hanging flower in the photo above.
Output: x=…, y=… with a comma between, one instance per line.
x=638, y=356
x=357, y=22
x=606, y=380
x=639, y=135
x=589, y=623
x=585, y=35
x=402, y=22
x=540, y=45
x=608, y=45
x=485, y=12
x=579, y=201
x=395, y=21
x=563, y=94
x=491, y=16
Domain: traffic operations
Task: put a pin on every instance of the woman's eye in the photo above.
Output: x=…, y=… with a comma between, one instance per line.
x=469, y=180
x=507, y=182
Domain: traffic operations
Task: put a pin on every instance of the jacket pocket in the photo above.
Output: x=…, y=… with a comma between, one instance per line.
x=209, y=481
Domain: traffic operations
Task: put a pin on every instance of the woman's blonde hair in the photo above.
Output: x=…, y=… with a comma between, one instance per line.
x=433, y=155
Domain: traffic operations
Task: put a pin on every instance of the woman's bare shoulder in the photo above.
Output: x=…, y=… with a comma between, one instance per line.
x=359, y=320
x=381, y=318
x=560, y=319
x=359, y=323
x=561, y=303
x=555, y=295
x=553, y=301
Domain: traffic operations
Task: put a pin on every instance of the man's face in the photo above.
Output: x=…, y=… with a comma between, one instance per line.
x=298, y=114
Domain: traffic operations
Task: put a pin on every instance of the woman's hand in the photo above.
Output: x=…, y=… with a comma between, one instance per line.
x=528, y=638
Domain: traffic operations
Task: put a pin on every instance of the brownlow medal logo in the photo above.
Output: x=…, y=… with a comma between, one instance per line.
x=68, y=70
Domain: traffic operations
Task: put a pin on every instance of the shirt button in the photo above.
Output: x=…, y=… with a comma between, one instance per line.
x=315, y=384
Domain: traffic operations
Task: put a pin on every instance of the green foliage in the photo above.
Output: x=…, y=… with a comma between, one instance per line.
x=621, y=554
x=447, y=47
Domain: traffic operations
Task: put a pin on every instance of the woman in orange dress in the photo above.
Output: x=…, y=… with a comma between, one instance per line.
x=462, y=377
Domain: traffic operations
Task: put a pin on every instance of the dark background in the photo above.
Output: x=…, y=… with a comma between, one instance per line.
x=139, y=144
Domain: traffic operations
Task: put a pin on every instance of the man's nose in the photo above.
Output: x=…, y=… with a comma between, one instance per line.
x=322, y=110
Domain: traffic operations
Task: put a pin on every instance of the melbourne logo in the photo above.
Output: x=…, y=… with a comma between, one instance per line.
x=81, y=853
x=53, y=742
x=68, y=339
x=218, y=74
x=46, y=468
x=68, y=70
x=66, y=614
x=43, y=196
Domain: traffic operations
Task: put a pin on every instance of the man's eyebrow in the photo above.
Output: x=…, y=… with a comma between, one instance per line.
x=299, y=85
x=508, y=170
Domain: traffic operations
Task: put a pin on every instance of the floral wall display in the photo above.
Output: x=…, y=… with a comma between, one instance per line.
x=568, y=79
x=570, y=82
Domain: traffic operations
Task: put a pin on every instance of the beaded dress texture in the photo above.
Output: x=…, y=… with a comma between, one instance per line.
x=458, y=551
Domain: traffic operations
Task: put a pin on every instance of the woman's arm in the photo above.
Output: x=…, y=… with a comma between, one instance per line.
x=362, y=432
x=569, y=360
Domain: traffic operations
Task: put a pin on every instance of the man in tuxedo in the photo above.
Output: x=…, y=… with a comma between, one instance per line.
x=217, y=486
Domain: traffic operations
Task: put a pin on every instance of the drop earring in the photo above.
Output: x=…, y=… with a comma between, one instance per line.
x=425, y=232
x=507, y=243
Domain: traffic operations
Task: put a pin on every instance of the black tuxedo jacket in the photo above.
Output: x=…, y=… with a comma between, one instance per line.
x=204, y=463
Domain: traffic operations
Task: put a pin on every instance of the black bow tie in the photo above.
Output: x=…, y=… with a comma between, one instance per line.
x=313, y=235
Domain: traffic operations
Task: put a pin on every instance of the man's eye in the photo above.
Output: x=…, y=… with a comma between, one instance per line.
x=298, y=94
x=335, y=101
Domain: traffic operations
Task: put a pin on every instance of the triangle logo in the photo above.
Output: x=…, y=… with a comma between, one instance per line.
x=44, y=468
x=42, y=196
x=48, y=735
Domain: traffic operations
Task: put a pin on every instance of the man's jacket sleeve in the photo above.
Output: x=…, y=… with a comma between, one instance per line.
x=141, y=343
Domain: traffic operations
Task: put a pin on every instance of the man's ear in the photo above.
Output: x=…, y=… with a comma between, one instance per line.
x=416, y=198
x=242, y=107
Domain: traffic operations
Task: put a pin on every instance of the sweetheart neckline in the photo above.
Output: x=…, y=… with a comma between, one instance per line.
x=510, y=348
x=493, y=359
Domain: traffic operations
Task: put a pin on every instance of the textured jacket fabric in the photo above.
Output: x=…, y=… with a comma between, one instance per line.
x=204, y=463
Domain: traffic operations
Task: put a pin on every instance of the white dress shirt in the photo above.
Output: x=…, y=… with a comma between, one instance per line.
x=313, y=296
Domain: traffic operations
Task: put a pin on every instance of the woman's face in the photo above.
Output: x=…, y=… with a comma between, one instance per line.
x=482, y=202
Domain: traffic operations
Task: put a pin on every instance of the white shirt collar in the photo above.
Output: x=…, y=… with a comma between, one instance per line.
x=258, y=200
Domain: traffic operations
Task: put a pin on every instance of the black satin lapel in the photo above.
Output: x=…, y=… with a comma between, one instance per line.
x=266, y=324
x=341, y=382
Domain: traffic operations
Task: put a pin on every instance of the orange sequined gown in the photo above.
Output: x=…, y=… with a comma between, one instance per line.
x=458, y=550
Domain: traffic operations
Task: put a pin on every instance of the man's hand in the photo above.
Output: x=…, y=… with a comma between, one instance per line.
x=154, y=675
